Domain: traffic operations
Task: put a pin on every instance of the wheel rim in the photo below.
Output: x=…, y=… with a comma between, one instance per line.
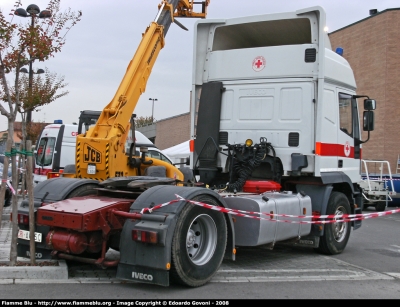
x=339, y=228
x=201, y=239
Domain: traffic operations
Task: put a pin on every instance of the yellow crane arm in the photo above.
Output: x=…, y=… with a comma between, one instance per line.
x=103, y=145
x=116, y=115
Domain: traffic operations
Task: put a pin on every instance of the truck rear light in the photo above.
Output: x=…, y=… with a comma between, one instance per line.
x=53, y=175
x=145, y=236
x=23, y=219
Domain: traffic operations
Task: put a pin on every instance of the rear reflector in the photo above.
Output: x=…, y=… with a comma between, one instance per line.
x=53, y=175
x=145, y=236
x=23, y=219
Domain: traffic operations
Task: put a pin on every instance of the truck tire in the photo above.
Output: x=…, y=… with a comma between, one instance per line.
x=336, y=235
x=198, y=244
x=380, y=206
x=84, y=190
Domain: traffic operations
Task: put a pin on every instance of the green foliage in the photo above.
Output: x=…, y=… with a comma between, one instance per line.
x=144, y=121
x=22, y=42
x=45, y=89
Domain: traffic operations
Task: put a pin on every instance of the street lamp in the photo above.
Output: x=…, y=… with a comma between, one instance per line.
x=152, y=110
x=32, y=11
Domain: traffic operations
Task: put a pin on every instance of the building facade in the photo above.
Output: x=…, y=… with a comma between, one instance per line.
x=371, y=46
x=168, y=132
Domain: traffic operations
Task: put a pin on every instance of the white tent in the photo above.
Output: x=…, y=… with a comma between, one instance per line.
x=178, y=153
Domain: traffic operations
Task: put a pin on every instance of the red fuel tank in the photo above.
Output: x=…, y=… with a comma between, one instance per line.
x=261, y=186
x=67, y=241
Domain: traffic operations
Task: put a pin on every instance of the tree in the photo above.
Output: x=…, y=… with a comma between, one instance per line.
x=144, y=121
x=43, y=91
x=22, y=44
x=33, y=131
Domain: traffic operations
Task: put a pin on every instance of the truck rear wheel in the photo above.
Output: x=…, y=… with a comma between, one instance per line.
x=336, y=235
x=380, y=206
x=198, y=245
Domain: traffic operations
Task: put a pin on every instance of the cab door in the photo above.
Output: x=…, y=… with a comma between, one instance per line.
x=349, y=154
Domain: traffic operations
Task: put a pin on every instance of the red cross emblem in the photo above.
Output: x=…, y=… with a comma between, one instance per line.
x=347, y=149
x=259, y=63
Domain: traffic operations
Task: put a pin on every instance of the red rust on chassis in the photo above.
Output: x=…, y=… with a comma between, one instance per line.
x=85, y=213
x=87, y=224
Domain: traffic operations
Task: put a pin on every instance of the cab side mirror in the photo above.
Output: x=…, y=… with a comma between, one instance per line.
x=369, y=104
x=368, y=120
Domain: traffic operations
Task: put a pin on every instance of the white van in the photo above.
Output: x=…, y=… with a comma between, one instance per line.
x=56, y=146
x=54, y=149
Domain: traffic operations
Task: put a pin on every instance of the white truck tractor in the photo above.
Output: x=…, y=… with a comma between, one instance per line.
x=275, y=145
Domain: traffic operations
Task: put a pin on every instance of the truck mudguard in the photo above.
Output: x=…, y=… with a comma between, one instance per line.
x=57, y=189
x=336, y=177
x=150, y=263
x=354, y=194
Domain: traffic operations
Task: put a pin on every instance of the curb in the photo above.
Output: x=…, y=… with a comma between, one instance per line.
x=59, y=271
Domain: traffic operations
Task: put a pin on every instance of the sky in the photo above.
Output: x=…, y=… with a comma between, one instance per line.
x=98, y=49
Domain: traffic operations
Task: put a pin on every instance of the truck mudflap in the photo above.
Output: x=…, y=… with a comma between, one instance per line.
x=158, y=263
x=41, y=250
x=143, y=274
x=357, y=224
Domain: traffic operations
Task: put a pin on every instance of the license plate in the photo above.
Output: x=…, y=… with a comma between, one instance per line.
x=91, y=170
x=23, y=234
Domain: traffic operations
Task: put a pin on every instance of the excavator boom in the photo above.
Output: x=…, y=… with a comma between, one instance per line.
x=101, y=151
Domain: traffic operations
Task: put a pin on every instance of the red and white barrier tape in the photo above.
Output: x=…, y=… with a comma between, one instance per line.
x=9, y=185
x=251, y=214
x=150, y=210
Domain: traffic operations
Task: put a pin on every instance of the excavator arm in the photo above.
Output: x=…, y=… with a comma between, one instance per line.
x=100, y=153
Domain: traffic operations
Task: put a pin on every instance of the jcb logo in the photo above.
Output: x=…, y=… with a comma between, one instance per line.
x=91, y=155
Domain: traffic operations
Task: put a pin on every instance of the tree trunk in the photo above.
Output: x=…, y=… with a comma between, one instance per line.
x=22, y=169
x=4, y=178
x=29, y=183
x=14, y=231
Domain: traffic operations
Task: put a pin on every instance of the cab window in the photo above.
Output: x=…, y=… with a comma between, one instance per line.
x=44, y=155
x=158, y=155
x=348, y=115
x=345, y=115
